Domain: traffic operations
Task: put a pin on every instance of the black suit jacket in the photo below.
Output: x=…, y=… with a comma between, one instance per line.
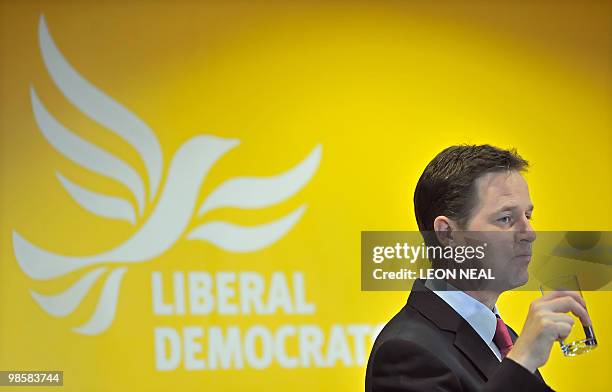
x=428, y=346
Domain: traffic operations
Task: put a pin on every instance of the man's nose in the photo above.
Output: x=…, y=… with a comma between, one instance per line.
x=525, y=231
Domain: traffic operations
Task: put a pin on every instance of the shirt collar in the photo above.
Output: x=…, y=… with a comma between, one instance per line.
x=481, y=318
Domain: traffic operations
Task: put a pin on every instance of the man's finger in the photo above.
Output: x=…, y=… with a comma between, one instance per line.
x=561, y=318
x=568, y=304
x=564, y=293
x=563, y=330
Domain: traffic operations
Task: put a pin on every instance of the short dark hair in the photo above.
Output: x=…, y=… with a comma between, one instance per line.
x=447, y=185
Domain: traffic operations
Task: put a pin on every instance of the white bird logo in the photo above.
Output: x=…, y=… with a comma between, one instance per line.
x=175, y=205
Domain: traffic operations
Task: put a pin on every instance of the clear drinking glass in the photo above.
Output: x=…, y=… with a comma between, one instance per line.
x=580, y=340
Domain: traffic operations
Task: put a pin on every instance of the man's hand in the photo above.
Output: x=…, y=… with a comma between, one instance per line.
x=547, y=322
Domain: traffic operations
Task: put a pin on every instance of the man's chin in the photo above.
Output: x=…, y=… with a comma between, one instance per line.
x=520, y=281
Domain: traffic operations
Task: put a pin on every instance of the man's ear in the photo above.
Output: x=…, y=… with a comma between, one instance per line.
x=444, y=228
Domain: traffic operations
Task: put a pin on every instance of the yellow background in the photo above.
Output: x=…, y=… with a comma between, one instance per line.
x=382, y=86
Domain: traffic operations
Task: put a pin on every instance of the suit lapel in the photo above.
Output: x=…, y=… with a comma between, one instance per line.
x=476, y=350
x=444, y=317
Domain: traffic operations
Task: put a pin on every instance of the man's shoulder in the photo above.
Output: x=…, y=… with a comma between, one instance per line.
x=411, y=345
x=409, y=325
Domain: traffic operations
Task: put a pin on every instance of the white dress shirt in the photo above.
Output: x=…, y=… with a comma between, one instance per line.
x=481, y=318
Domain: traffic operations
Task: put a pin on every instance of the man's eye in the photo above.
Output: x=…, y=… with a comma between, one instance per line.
x=505, y=219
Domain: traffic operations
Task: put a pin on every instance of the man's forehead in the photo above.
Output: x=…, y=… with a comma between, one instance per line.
x=500, y=189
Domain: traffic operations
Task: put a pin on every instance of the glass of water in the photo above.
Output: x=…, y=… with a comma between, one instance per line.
x=581, y=338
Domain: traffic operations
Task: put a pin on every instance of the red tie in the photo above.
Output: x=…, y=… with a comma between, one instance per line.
x=502, y=337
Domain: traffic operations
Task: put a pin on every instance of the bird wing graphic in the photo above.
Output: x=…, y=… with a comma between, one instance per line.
x=174, y=209
x=240, y=239
x=111, y=115
x=163, y=228
x=41, y=264
x=255, y=193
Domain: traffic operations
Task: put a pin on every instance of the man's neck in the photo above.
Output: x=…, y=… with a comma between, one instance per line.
x=488, y=298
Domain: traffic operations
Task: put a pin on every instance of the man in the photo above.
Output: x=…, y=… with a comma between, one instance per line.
x=445, y=340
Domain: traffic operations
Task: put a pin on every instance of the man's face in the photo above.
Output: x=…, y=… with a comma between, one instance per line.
x=501, y=218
